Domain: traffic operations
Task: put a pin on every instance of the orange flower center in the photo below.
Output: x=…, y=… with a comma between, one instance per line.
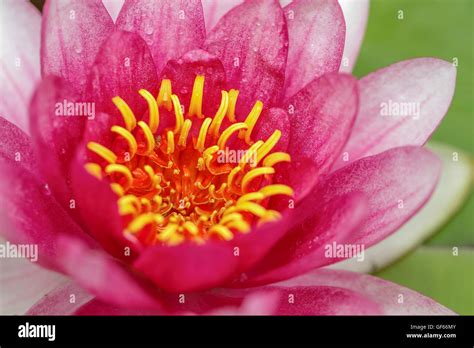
x=183, y=185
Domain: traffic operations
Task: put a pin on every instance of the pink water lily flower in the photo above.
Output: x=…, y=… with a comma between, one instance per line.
x=189, y=157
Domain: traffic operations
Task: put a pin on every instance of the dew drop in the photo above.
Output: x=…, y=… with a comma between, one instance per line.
x=47, y=190
x=149, y=29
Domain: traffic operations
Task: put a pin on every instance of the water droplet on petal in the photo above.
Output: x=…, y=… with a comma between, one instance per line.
x=149, y=29
x=47, y=191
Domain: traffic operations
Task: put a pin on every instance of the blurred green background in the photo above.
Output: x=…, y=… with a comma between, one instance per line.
x=444, y=29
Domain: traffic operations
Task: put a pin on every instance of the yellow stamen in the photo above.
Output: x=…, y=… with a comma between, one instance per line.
x=202, y=134
x=184, y=133
x=254, y=208
x=164, y=96
x=127, y=209
x=270, y=215
x=178, y=193
x=154, y=115
x=239, y=225
x=268, y=145
x=151, y=175
x=132, y=142
x=191, y=228
x=102, y=151
x=228, y=132
x=220, y=114
x=221, y=231
x=275, y=158
x=120, y=169
x=170, y=142
x=210, y=151
x=254, y=173
x=252, y=196
x=276, y=189
x=250, y=156
x=141, y=221
x=127, y=113
x=129, y=200
x=117, y=188
x=233, y=172
x=195, y=105
x=94, y=169
x=146, y=204
x=230, y=217
x=168, y=232
x=150, y=139
x=178, y=112
x=233, y=94
x=251, y=120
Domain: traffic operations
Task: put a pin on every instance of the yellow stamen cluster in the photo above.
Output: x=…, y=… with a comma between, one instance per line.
x=173, y=186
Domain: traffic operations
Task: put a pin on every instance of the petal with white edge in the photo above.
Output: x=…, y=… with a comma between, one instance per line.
x=356, y=13
x=23, y=283
x=452, y=191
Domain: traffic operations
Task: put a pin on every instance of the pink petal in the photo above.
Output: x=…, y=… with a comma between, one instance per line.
x=55, y=135
x=397, y=183
x=339, y=216
x=97, y=208
x=72, y=33
x=322, y=116
x=393, y=299
x=31, y=215
x=123, y=66
x=324, y=300
x=170, y=28
x=187, y=267
x=301, y=175
x=16, y=147
x=214, y=10
x=304, y=299
x=184, y=70
x=63, y=300
x=355, y=15
x=316, y=32
x=23, y=283
x=303, y=247
x=105, y=277
x=256, y=303
x=427, y=84
x=253, y=246
x=98, y=307
x=19, y=61
x=270, y=120
x=252, y=42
